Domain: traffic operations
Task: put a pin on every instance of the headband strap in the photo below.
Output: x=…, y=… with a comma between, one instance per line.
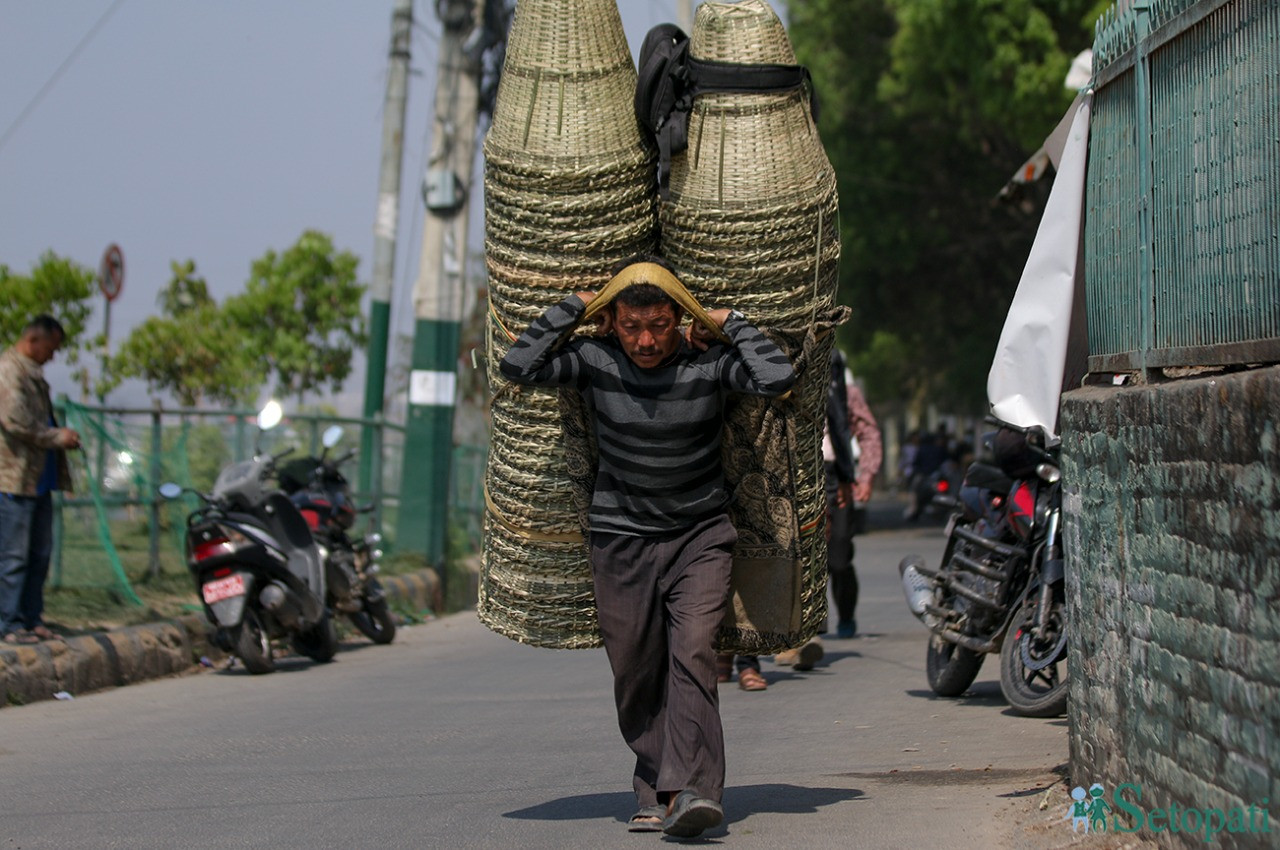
x=661, y=278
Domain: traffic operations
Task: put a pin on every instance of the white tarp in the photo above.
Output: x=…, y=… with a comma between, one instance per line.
x=1025, y=382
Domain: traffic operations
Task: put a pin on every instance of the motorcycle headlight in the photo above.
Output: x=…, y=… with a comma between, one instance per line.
x=1049, y=472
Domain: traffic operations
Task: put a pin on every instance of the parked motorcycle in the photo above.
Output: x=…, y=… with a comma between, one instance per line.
x=258, y=570
x=321, y=492
x=1000, y=586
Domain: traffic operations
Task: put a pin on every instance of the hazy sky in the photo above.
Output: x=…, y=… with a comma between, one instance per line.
x=212, y=131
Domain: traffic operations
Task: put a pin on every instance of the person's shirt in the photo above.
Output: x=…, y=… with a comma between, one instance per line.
x=658, y=430
x=863, y=428
x=49, y=476
x=27, y=439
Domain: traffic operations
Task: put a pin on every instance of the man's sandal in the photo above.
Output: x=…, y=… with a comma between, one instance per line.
x=648, y=819
x=20, y=638
x=751, y=680
x=691, y=815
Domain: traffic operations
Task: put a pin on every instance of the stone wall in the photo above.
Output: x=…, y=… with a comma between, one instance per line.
x=1173, y=536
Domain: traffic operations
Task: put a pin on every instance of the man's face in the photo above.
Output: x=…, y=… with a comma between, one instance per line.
x=40, y=347
x=649, y=335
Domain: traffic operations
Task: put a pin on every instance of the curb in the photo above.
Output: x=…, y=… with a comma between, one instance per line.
x=99, y=660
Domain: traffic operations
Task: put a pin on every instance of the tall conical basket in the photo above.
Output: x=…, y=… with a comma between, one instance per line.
x=752, y=223
x=567, y=195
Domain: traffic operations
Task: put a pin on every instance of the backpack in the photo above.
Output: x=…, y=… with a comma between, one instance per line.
x=669, y=79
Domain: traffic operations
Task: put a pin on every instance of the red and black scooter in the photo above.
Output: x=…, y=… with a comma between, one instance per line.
x=322, y=495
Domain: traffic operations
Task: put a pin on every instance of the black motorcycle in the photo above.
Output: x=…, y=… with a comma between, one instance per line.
x=1000, y=586
x=322, y=494
x=256, y=565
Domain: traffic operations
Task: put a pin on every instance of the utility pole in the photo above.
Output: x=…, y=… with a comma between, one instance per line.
x=384, y=233
x=438, y=293
x=684, y=15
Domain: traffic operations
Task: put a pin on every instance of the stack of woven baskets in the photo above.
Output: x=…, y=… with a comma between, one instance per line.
x=567, y=195
x=750, y=223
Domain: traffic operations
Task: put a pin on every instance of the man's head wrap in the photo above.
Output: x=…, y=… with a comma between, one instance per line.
x=661, y=278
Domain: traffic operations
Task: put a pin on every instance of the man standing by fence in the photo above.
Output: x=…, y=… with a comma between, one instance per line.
x=33, y=463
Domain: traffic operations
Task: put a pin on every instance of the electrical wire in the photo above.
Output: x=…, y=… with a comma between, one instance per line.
x=53, y=79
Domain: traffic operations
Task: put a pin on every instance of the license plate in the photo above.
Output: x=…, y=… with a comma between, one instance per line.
x=223, y=588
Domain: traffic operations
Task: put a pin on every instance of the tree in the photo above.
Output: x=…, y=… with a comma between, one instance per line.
x=300, y=315
x=193, y=351
x=928, y=107
x=56, y=285
x=186, y=290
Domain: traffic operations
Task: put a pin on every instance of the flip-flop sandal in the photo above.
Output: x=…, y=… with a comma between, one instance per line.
x=692, y=815
x=750, y=680
x=43, y=632
x=20, y=638
x=638, y=822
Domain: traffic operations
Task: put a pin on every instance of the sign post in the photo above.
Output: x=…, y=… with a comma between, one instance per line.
x=110, y=281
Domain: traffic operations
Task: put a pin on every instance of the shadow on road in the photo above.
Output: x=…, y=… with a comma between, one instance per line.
x=741, y=801
x=980, y=694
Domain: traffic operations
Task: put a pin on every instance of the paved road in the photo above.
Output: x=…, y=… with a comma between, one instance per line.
x=453, y=736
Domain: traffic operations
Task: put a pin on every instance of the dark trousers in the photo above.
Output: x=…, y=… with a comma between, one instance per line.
x=26, y=541
x=660, y=600
x=840, y=572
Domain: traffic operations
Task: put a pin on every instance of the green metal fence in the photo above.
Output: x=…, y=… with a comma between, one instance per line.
x=1182, y=234
x=114, y=530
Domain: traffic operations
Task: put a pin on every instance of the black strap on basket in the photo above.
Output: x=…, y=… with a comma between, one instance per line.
x=669, y=80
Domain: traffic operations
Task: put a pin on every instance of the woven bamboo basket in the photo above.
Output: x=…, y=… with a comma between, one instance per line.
x=751, y=222
x=567, y=195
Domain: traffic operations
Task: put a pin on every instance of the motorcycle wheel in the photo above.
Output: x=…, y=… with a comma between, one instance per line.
x=1033, y=670
x=320, y=643
x=375, y=621
x=252, y=645
x=951, y=668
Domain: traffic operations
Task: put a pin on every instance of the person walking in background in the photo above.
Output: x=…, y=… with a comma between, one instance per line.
x=660, y=540
x=849, y=422
x=33, y=463
x=748, y=666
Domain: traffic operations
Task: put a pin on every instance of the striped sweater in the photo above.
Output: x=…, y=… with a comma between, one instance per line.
x=658, y=430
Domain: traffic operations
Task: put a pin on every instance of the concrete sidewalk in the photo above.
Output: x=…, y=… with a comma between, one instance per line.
x=93, y=662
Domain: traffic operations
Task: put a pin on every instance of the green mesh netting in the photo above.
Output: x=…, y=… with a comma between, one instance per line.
x=114, y=530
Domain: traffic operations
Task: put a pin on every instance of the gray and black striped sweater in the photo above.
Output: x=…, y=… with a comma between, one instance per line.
x=658, y=430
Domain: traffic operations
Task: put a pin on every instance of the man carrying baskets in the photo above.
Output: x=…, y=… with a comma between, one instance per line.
x=661, y=541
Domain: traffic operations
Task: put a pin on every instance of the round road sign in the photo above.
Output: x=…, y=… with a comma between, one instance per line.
x=111, y=272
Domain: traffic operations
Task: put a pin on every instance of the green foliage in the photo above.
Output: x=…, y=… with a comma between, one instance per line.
x=56, y=285
x=196, y=356
x=298, y=322
x=207, y=452
x=300, y=314
x=928, y=106
x=186, y=291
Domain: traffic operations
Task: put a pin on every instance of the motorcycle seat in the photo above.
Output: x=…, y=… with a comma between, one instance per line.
x=988, y=477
